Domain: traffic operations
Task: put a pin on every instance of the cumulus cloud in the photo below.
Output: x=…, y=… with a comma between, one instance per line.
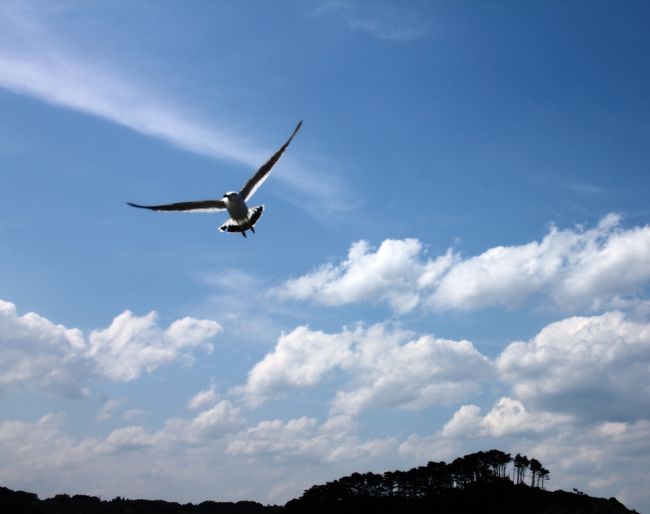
x=394, y=273
x=594, y=366
x=385, y=366
x=210, y=424
x=133, y=344
x=128, y=439
x=274, y=437
x=507, y=417
x=469, y=430
x=107, y=410
x=35, y=351
x=30, y=449
x=216, y=421
x=573, y=267
x=300, y=359
x=203, y=399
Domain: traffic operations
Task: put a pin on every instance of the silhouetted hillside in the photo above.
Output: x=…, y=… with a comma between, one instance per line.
x=19, y=502
x=501, y=498
x=476, y=483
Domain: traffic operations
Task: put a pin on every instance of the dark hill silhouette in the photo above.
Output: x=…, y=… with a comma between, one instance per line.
x=476, y=483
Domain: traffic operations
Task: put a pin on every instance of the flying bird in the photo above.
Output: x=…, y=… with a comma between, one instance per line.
x=242, y=218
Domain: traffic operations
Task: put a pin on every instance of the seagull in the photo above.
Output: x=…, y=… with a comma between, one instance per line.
x=242, y=218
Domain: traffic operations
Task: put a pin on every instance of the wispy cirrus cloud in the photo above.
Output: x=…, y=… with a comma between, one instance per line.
x=384, y=21
x=34, y=62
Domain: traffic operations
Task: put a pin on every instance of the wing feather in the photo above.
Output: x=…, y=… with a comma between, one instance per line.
x=260, y=176
x=202, y=205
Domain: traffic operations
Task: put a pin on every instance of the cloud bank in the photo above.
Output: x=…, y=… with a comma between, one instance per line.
x=574, y=268
x=575, y=395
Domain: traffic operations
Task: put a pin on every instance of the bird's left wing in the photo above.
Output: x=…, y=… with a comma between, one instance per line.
x=261, y=174
x=202, y=205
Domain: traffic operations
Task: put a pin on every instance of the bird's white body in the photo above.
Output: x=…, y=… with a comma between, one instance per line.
x=241, y=217
x=236, y=206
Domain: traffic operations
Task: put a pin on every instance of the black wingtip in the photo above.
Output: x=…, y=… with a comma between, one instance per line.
x=295, y=131
x=138, y=206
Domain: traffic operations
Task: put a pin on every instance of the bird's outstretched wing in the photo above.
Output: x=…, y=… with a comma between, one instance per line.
x=261, y=174
x=202, y=205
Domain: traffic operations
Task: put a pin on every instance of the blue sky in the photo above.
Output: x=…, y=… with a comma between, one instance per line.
x=454, y=255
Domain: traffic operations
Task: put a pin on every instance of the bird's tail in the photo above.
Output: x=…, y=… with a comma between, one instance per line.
x=232, y=225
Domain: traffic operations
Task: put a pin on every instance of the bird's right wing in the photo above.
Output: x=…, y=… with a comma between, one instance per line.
x=202, y=205
x=261, y=174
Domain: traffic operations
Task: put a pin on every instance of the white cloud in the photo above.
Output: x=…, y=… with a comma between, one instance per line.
x=35, y=351
x=385, y=367
x=107, y=410
x=507, y=417
x=133, y=344
x=394, y=274
x=128, y=439
x=216, y=421
x=597, y=367
x=468, y=430
x=275, y=437
x=211, y=424
x=33, y=449
x=304, y=438
x=576, y=268
x=300, y=359
x=202, y=399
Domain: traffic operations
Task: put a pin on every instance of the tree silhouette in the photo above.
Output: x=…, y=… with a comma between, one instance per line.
x=544, y=475
x=535, y=467
x=434, y=479
x=520, y=465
